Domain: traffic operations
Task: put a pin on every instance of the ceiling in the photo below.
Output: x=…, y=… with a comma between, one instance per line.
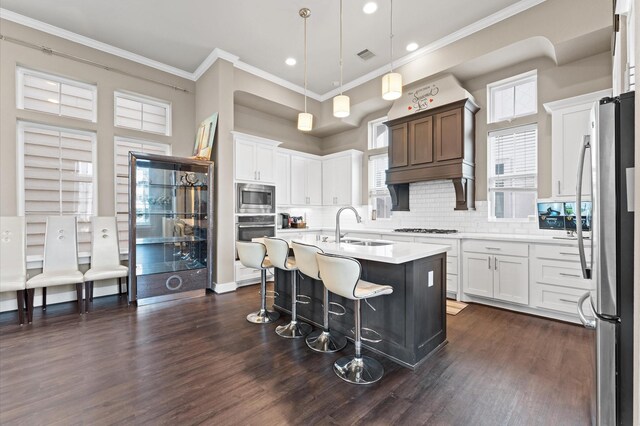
x=262, y=33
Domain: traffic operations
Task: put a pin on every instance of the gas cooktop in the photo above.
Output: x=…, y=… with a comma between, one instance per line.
x=426, y=230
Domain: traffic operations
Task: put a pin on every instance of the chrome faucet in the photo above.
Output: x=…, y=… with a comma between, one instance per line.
x=358, y=218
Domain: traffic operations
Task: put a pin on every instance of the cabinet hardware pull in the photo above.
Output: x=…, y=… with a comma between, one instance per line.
x=568, y=300
x=570, y=275
x=495, y=263
x=488, y=262
x=569, y=254
x=493, y=248
x=559, y=190
x=258, y=175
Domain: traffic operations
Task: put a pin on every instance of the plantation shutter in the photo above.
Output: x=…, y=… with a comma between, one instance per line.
x=140, y=114
x=378, y=165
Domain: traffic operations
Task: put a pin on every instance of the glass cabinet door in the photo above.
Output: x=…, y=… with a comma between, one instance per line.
x=170, y=217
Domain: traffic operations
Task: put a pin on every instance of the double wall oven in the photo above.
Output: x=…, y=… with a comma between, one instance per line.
x=255, y=211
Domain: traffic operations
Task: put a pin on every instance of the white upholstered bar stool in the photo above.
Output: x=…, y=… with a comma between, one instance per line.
x=341, y=275
x=105, y=256
x=322, y=340
x=60, y=264
x=254, y=255
x=13, y=259
x=278, y=252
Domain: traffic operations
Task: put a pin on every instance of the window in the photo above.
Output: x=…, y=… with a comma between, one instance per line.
x=379, y=197
x=122, y=148
x=57, y=176
x=513, y=172
x=378, y=134
x=142, y=113
x=513, y=97
x=42, y=92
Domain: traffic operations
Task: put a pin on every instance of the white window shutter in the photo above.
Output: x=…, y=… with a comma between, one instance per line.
x=141, y=113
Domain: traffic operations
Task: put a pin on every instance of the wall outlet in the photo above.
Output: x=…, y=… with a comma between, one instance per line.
x=430, y=278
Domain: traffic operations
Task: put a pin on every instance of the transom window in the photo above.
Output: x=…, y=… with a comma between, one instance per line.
x=143, y=113
x=42, y=92
x=513, y=97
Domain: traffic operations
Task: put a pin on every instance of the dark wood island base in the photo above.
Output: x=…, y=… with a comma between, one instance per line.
x=411, y=321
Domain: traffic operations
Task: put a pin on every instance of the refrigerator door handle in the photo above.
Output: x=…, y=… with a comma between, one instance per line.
x=587, y=322
x=586, y=144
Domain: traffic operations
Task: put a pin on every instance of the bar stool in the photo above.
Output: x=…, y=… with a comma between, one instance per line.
x=341, y=275
x=278, y=251
x=320, y=340
x=253, y=255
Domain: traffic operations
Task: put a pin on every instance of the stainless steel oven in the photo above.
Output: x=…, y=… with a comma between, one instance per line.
x=249, y=227
x=253, y=198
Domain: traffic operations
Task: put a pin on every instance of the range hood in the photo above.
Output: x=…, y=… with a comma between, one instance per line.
x=432, y=137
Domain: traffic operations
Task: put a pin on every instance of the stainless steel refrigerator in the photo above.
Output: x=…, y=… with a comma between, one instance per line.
x=610, y=267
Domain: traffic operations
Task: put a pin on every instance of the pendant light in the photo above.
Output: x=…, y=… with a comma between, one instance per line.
x=391, y=82
x=305, y=119
x=341, y=107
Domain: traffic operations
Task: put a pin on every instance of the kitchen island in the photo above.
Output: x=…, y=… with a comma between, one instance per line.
x=410, y=322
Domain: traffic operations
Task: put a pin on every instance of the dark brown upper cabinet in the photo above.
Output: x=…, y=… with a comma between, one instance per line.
x=432, y=145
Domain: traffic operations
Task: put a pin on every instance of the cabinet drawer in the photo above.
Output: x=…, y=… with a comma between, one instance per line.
x=554, y=252
x=452, y=265
x=496, y=247
x=443, y=241
x=568, y=274
x=557, y=299
x=170, y=283
x=452, y=283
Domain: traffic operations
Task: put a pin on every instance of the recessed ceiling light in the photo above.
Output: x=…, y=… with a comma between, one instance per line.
x=290, y=61
x=412, y=46
x=370, y=7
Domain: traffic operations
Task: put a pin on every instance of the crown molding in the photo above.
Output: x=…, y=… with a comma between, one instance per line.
x=89, y=42
x=554, y=106
x=218, y=53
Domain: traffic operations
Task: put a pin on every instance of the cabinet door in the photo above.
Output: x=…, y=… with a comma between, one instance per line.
x=343, y=181
x=298, y=180
x=265, y=163
x=245, y=160
x=478, y=274
x=511, y=279
x=421, y=141
x=314, y=182
x=448, y=135
x=398, y=146
x=569, y=128
x=329, y=182
x=283, y=179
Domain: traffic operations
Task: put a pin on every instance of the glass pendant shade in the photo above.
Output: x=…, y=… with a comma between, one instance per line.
x=341, y=106
x=391, y=86
x=305, y=121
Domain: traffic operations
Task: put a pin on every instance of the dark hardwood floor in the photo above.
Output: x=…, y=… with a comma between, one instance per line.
x=199, y=361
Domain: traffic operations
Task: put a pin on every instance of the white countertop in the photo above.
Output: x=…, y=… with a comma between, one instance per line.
x=525, y=238
x=397, y=252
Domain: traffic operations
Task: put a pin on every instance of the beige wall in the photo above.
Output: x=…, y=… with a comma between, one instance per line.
x=554, y=83
x=258, y=123
x=107, y=82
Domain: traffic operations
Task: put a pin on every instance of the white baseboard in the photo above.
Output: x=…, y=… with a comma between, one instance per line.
x=225, y=287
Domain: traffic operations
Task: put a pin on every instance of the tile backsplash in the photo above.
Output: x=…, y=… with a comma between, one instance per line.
x=432, y=206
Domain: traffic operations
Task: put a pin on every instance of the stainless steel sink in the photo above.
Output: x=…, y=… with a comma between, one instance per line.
x=366, y=242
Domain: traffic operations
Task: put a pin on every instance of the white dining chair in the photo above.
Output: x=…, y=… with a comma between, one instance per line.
x=60, y=264
x=13, y=260
x=105, y=256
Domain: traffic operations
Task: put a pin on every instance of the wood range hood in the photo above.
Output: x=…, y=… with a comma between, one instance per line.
x=433, y=144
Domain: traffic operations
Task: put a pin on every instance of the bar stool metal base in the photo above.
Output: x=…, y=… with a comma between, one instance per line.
x=263, y=316
x=359, y=371
x=294, y=330
x=325, y=341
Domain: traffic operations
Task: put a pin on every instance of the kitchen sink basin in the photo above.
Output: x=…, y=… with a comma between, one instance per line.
x=366, y=242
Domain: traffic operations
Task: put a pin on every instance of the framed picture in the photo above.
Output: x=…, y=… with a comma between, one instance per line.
x=205, y=136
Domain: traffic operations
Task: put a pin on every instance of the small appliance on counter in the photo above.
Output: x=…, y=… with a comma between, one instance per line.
x=284, y=221
x=298, y=222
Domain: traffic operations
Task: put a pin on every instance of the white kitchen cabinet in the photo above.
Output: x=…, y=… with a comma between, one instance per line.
x=254, y=158
x=342, y=178
x=570, y=122
x=306, y=181
x=497, y=270
x=283, y=179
